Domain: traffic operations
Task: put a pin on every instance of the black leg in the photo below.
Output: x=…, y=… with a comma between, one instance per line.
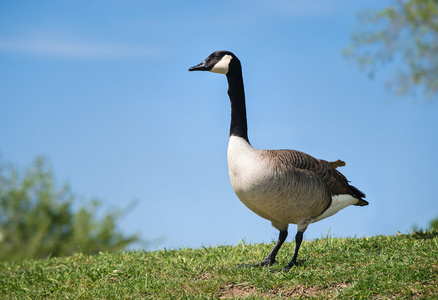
x=270, y=259
x=298, y=240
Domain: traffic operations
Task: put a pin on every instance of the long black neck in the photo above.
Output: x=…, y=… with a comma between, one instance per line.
x=236, y=93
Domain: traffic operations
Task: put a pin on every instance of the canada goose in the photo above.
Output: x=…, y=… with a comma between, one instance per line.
x=282, y=186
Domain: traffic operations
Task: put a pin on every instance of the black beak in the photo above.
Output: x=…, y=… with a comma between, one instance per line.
x=200, y=67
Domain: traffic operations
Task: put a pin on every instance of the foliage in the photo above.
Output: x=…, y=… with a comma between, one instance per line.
x=37, y=220
x=405, y=34
x=380, y=267
x=434, y=224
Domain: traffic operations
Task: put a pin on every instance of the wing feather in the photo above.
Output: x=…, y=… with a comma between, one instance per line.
x=335, y=181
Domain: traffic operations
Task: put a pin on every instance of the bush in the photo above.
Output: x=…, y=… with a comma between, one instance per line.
x=37, y=220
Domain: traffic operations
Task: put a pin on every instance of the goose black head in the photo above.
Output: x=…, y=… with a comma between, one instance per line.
x=217, y=62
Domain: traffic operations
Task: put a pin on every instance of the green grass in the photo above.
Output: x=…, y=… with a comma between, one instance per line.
x=380, y=267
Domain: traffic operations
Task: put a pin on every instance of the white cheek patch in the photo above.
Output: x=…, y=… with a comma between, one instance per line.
x=222, y=66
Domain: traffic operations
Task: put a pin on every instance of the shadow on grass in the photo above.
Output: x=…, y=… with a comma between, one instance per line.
x=424, y=234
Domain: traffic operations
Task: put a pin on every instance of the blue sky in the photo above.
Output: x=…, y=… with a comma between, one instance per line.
x=101, y=88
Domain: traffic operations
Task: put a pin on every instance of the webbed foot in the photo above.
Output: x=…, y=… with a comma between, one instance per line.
x=266, y=263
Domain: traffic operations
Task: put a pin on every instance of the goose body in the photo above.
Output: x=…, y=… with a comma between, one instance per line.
x=272, y=184
x=282, y=186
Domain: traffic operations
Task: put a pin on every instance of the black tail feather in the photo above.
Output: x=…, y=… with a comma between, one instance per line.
x=356, y=193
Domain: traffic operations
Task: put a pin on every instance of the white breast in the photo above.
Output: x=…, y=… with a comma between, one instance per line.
x=248, y=176
x=243, y=165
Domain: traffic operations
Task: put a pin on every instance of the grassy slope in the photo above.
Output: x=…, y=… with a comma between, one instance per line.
x=404, y=266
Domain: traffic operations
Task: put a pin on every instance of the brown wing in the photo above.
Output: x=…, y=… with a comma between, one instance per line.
x=336, y=182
